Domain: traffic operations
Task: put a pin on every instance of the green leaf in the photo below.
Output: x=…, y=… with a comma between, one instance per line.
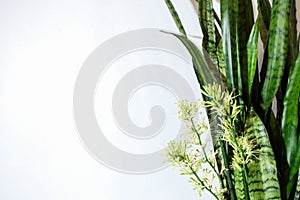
x=277, y=50
x=297, y=193
x=220, y=55
x=238, y=184
x=229, y=9
x=175, y=16
x=252, y=55
x=206, y=72
x=290, y=60
x=290, y=115
x=206, y=20
x=262, y=172
x=227, y=172
x=229, y=15
x=294, y=168
x=264, y=12
x=245, y=24
x=293, y=45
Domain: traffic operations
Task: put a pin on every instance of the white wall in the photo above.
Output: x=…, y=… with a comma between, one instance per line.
x=43, y=45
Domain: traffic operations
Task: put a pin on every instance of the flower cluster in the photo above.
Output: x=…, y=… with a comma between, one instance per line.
x=192, y=155
x=225, y=105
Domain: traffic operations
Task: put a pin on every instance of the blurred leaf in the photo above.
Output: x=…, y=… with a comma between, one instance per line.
x=290, y=116
x=220, y=55
x=293, y=45
x=297, y=193
x=217, y=18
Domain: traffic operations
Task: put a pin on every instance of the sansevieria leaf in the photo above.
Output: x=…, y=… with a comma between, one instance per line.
x=245, y=24
x=238, y=184
x=277, y=50
x=206, y=72
x=290, y=60
x=293, y=45
x=175, y=16
x=252, y=54
x=297, y=193
x=290, y=113
x=220, y=55
x=229, y=9
x=264, y=13
x=262, y=176
x=206, y=20
x=293, y=171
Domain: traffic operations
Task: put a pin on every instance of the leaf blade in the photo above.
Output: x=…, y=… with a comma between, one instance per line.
x=229, y=28
x=277, y=50
x=206, y=72
x=297, y=193
x=175, y=17
x=245, y=24
x=262, y=176
x=252, y=54
x=206, y=20
x=264, y=9
x=290, y=120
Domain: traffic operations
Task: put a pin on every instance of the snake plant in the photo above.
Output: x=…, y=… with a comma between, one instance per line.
x=253, y=108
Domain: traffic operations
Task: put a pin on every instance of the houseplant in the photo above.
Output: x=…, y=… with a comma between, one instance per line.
x=253, y=109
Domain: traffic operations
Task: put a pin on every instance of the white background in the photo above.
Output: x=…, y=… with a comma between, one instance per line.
x=42, y=47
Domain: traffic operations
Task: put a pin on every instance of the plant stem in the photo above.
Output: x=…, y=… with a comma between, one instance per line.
x=202, y=183
x=205, y=155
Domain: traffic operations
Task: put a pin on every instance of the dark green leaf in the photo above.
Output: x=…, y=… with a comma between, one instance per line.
x=293, y=45
x=245, y=24
x=264, y=12
x=297, y=193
